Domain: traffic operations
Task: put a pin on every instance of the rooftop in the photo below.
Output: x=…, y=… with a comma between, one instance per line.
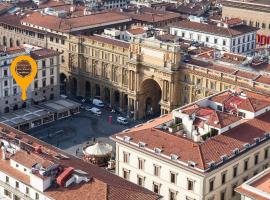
x=73, y=23
x=233, y=130
x=254, y=74
x=73, y=176
x=258, y=5
x=150, y=15
x=214, y=29
x=257, y=187
x=196, y=9
x=109, y=40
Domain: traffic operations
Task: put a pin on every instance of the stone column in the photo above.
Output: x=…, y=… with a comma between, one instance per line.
x=112, y=98
x=102, y=94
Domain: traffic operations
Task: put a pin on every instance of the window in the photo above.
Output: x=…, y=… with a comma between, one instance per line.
x=140, y=163
x=5, y=72
x=17, y=184
x=140, y=181
x=172, y=195
x=223, y=178
x=266, y=153
x=212, y=85
x=43, y=63
x=52, y=80
x=265, y=166
x=215, y=41
x=27, y=190
x=62, y=41
x=235, y=171
x=6, y=93
x=224, y=42
x=51, y=71
x=37, y=196
x=183, y=34
x=263, y=25
x=190, y=184
x=211, y=185
x=256, y=159
x=57, y=40
x=51, y=39
x=156, y=170
x=43, y=73
x=255, y=172
x=44, y=83
x=7, y=179
x=36, y=84
x=222, y=195
x=207, y=39
x=5, y=83
x=14, y=90
x=51, y=61
x=233, y=189
x=173, y=177
x=126, y=174
x=233, y=42
x=7, y=193
x=126, y=157
x=156, y=188
x=245, y=165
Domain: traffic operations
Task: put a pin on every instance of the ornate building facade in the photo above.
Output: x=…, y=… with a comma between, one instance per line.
x=140, y=77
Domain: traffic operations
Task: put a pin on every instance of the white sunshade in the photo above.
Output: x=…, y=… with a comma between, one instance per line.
x=98, y=149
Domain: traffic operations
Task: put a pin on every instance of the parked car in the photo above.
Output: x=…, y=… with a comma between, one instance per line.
x=122, y=120
x=87, y=108
x=98, y=103
x=95, y=111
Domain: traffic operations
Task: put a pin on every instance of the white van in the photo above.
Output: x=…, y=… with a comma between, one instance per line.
x=98, y=103
x=95, y=111
x=122, y=120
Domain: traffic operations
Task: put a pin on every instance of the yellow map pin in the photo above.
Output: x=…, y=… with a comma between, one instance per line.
x=23, y=70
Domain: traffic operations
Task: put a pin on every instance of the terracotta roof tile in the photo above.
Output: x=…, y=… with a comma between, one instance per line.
x=102, y=186
x=73, y=23
x=5, y=166
x=214, y=29
x=136, y=31
x=202, y=153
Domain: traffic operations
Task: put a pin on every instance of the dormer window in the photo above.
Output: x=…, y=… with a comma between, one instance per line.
x=224, y=157
x=236, y=151
x=247, y=145
x=157, y=150
x=174, y=157
x=192, y=164
x=142, y=144
x=212, y=164
x=127, y=138
x=257, y=140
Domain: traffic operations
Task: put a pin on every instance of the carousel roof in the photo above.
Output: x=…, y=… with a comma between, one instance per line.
x=98, y=149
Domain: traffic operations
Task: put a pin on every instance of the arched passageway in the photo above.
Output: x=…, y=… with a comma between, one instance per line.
x=150, y=97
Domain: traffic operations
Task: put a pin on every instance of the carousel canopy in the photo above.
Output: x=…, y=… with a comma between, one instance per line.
x=98, y=149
